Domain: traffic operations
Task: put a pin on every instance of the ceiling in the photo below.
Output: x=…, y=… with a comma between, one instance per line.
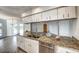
x=15, y=10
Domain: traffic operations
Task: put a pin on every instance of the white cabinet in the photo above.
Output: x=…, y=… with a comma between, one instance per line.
x=52, y=14
x=20, y=42
x=72, y=12
x=33, y=18
x=61, y=13
x=45, y=16
x=59, y=49
x=28, y=45
x=49, y=15
x=67, y=12
x=31, y=46
x=27, y=19
x=38, y=17
x=34, y=46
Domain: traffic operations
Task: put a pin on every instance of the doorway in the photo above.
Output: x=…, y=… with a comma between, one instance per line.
x=45, y=28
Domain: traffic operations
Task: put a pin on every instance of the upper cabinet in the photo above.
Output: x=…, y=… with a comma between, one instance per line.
x=54, y=14
x=72, y=12
x=61, y=12
x=49, y=15
x=27, y=19
x=45, y=16
x=36, y=17
x=67, y=12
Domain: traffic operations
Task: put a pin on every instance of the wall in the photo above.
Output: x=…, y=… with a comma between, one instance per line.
x=37, y=27
x=10, y=20
x=76, y=25
x=62, y=28
x=53, y=27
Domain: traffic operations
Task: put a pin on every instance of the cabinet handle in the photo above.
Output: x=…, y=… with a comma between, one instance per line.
x=63, y=15
x=68, y=14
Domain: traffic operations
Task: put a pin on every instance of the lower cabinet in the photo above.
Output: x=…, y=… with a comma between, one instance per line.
x=43, y=49
x=59, y=49
x=46, y=48
x=31, y=46
x=28, y=45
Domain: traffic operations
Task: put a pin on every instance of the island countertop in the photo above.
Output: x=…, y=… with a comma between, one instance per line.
x=63, y=42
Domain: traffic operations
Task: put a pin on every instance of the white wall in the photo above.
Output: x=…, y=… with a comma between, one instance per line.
x=76, y=25
x=10, y=20
x=37, y=27
x=66, y=27
x=27, y=27
x=53, y=27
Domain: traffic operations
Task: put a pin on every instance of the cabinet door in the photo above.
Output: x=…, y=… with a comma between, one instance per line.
x=26, y=19
x=28, y=45
x=29, y=19
x=38, y=17
x=61, y=12
x=33, y=18
x=34, y=46
x=18, y=41
x=61, y=50
x=67, y=12
x=65, y=50
x=45, y=16
x=72, y=12
x=53, y=14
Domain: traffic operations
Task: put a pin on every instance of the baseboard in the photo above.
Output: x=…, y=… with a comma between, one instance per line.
x=7, y=36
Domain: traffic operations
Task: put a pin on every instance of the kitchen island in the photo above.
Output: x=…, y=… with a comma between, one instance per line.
x=51, y=45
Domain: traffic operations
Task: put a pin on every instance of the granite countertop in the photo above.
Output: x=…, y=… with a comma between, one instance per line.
x=64, y=42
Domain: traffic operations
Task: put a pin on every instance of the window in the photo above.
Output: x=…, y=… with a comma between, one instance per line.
x=21, y=29
x=0, y=32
